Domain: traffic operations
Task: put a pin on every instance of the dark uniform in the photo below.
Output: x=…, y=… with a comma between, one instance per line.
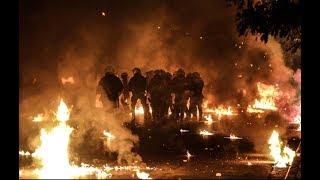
x=178, y=88
x=156, y=90
x=125, y=94
x=188, y=91
x=137, y=85
x=196, y=97
x=112, y=87
x=167, y=93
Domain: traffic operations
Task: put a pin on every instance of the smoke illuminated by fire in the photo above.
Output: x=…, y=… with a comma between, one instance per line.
x=282, y=156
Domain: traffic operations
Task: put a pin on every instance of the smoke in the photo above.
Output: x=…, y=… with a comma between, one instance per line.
x=76, y=41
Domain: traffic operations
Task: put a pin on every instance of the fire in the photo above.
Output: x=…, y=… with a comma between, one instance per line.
x=221, y=111
x=268, y=94
x=188, y=155
x=208, y=119
x=67, y=80
x=297, y=120
x=250, y=109
x=108, y=135
x=139, y=110
x=38, y=118
x=142, y=175
x=205, y=133
x=25, y=153
x=232, y=137
x=53, y=151
x=282, y=156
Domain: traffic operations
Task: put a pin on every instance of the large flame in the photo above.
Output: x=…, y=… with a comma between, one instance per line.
x=53, y=151
x=282, y=156
x=268, y=95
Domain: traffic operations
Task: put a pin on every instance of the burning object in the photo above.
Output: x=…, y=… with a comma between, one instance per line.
x=282, y=156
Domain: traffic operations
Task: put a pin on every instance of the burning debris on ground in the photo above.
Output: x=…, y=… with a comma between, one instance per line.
x=167, y=92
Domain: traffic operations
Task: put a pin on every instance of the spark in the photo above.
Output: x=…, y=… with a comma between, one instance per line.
x=189, y=155
x=206, y=133
x=184, y=130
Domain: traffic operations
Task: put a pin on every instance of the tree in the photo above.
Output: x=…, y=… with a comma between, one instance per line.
x=278, y=18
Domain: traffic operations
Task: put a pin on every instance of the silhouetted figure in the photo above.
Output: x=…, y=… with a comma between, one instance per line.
x=156, y=90
x=196, y=97
x=167, y=94
x=137, y=85
x=112, y=88
x=187, y=94
x=178, y=88
x=125, y=93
